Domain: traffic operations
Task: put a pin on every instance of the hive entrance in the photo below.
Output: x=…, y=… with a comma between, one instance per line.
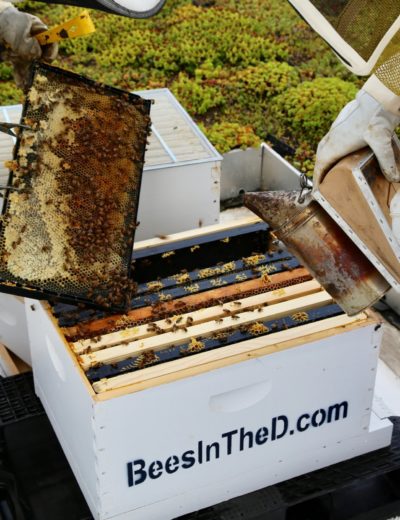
x=68, y=230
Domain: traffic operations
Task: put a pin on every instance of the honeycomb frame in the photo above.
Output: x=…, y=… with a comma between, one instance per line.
x=67, y=230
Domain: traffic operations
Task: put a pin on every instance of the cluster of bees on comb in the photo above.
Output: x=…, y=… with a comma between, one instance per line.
x=70, y=226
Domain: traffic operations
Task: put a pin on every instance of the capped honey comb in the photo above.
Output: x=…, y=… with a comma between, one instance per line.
x=68, y=229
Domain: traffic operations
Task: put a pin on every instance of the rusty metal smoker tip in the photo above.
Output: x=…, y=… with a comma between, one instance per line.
x=275, y=207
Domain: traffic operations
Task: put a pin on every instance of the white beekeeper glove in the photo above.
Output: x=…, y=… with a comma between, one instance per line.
x=368, y=120
x=16, y=34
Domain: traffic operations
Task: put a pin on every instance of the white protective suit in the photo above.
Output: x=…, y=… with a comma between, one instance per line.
x=365, y=36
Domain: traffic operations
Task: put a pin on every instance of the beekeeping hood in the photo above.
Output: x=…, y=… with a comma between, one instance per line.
x=130, y=8
x=359, y=31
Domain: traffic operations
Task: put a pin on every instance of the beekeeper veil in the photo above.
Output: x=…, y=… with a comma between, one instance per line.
x=359, y=31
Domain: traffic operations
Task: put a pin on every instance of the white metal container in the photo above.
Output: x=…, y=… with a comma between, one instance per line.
x=214, y=427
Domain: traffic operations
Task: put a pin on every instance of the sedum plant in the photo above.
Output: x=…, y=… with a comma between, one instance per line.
x=244, y=70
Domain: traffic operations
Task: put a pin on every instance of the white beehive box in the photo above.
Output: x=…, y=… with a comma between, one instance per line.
x=169, y=439
x=181, y=178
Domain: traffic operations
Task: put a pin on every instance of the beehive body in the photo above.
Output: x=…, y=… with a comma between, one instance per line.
x=14, y=329
x=192, y=432
x=179, y=158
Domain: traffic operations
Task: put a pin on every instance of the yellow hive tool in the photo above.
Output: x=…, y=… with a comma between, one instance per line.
x=78, y=26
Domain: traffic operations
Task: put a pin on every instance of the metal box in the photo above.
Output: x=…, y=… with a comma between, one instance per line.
x=256, y=169
x=167, y=439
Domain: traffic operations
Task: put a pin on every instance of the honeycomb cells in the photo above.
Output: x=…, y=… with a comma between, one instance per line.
x=69, y=228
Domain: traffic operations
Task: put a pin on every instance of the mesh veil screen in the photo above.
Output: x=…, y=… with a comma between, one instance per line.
x=388, y=67
x=362, y=23
x=69, y=229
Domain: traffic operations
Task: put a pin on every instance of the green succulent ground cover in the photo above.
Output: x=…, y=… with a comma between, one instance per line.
x=243, y=69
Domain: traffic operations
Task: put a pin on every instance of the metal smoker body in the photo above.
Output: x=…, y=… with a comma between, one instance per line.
x=314, y=237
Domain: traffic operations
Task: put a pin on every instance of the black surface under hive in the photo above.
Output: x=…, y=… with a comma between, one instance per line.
x=363, y=488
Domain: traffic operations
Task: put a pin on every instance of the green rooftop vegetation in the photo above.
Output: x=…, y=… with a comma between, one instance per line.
x=244, y=70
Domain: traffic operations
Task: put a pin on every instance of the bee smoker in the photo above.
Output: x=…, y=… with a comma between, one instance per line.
x=321, y=245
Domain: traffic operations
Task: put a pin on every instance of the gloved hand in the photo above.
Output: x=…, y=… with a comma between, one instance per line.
x=364, y=121
x=16, y=33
